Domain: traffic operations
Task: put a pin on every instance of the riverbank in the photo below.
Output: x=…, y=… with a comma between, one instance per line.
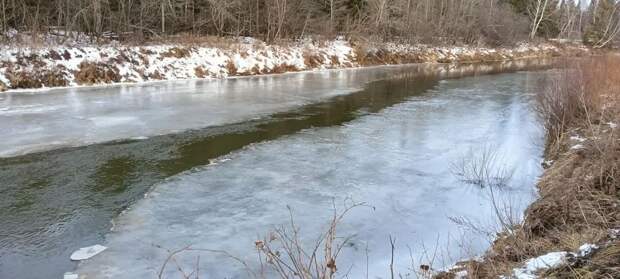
x=573, y=229
x=87, y=65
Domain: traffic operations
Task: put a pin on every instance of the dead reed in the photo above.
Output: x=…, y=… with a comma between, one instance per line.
x=579, y=107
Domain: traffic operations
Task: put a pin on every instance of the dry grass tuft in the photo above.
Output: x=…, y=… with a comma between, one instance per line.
x=313, y=60
x=156, y=75
x=90, y=73
x=283, y=252
x=335, y=62
x=54, y=77
x=231, y=68
x=201, y=72
x=283, y=68
x=177, y=52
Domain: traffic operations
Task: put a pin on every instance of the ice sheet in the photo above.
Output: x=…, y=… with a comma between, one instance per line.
x=38, y=121
x=398, y=161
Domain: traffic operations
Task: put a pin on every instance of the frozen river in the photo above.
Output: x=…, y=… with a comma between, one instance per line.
x=225, y=158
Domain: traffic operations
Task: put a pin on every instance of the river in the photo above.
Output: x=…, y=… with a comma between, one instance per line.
x=222, y=161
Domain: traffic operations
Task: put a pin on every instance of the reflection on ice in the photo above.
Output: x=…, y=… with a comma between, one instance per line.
x=398, y=161
x=79, y=116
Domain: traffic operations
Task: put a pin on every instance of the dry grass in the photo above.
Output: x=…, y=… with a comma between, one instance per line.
x=366, y=56
x=567, y=98
x=94, y=73
x=579, y=192
x=23, y=79
x=231, y=68
x=281, y=253
x=484, y=168
x=283, y=68
x=156, y=75
x=313, y=60
x=201, y=72
x=37, y=78
x=177, y=52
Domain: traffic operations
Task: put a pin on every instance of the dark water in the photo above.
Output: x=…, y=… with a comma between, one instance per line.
x=52, y=203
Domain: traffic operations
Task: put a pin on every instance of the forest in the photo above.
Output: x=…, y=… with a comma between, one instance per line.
x=483, y=22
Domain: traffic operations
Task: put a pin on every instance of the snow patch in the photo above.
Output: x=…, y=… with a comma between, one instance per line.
x=535, y=265
x=577, y=147
x=586, y=249
x=551, y=260
x=614, y=233
x=578, y=138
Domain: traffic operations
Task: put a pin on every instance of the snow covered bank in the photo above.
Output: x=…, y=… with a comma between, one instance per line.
x=26, y=68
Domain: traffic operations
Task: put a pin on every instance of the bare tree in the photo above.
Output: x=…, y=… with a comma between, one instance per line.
x=425, y=21
x=539, y=8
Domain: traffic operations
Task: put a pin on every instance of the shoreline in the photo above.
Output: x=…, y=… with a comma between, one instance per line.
x=150, y=82
x=45, y=69
x=316, y=70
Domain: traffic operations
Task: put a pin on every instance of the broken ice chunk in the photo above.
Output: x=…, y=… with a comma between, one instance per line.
x=87, y=252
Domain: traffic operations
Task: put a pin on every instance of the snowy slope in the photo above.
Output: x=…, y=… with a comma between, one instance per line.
x=26, y=68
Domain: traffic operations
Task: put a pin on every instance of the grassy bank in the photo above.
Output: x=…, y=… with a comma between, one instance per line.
x=579, y=192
